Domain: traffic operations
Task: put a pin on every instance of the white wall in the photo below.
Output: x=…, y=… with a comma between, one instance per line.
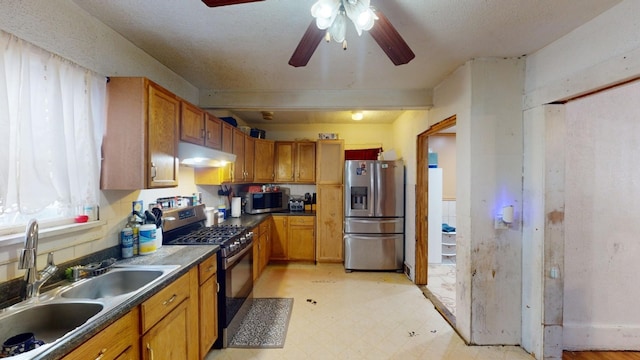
x=602, y=52
x=453, y=97
x=405, y=131
x=601, y=221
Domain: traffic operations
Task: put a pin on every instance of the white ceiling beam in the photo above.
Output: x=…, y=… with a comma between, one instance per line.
x=316, y=99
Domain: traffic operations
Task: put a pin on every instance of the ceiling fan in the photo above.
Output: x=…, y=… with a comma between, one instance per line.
x=382, y=32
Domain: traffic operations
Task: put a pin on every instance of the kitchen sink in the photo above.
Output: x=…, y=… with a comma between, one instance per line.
x=72, y=308
x=48, y=322
x=113, y=283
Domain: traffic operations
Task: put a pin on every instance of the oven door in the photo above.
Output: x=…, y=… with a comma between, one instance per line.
x=236, y=292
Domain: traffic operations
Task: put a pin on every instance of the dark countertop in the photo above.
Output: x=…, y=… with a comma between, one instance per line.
x=250, y=221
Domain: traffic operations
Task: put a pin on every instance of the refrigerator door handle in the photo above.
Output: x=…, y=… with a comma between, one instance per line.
x=376, y=221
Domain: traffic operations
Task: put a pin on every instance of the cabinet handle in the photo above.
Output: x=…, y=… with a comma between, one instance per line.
x=210, y=268
x=217, y=287
x=171, y=299
x=203, y=133
x=150, y=351
x=153, y=171
x=101, y=354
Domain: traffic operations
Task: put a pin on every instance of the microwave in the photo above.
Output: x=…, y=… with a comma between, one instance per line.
x=264, y=202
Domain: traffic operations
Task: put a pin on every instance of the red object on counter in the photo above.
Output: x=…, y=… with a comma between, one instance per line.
x=82, y=218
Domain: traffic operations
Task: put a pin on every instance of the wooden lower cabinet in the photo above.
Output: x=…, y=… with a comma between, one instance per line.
x=208, y=304
x=169, y=321
x=329, y=223
x=117, y=341
x=179, y=322
x=168, y=338
x=265, y=243
x=293, y=238
x=261, y=247
x=279, y=237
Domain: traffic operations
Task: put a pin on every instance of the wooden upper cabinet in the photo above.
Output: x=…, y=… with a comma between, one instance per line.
x=305, y=162
x=249, y=158
x=199, y=127
x=238, y=151
x=140, y=146
x=295, y=161
x=213, y=132
x=284, y=152
x=263, y=164
x=329, y=162
x=191, y=123
x=227, y=137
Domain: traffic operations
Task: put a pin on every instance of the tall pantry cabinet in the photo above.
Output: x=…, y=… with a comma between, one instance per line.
x=329, y=200
x=140, y=147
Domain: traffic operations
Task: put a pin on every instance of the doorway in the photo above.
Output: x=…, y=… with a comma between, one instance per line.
x=435, y=216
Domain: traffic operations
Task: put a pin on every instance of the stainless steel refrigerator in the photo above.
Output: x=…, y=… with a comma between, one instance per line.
x=374, y=215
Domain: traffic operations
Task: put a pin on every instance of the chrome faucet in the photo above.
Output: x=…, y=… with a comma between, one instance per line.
x=33, y=279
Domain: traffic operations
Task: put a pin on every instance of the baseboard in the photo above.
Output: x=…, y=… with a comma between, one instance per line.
x=593, y=337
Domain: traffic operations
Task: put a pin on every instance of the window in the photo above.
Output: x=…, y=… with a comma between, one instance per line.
x=52, y=116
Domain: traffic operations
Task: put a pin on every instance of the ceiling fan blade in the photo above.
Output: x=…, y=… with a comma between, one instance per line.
x=390, y=40
x=308, y=44
x=214, y=3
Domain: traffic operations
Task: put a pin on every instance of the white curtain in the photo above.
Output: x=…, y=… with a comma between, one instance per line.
x=52, y=116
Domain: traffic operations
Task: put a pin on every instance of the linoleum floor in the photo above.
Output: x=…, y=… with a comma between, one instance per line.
x=359, y=315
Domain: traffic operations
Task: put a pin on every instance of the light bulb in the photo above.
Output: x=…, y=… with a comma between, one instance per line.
x=357, y=115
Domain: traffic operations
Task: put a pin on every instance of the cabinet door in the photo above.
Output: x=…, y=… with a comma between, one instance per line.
x=164, y=110
x=305, y=162
x=329, y=213
x=208, y=304
x=191, y=124
x=301, y=245
x=113, y=342
x=249, y=158
x=265, y=250
x=284, y=165
x=264, y=160
x=238, y=150
x=279, y=238
x=168, y=339
x=213, y=132
x=227, y=137
x=329, y=162
x=257, y=253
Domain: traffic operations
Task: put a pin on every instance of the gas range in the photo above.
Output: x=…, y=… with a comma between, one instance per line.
x=230, y=238
x=186, y=226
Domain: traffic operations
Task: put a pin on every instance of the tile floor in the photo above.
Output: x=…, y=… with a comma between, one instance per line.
x=359, y=315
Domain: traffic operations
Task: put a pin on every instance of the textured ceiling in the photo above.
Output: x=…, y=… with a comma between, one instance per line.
x=241, y=51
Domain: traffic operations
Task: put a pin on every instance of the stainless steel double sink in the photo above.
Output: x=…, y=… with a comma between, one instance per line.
x=71, y=309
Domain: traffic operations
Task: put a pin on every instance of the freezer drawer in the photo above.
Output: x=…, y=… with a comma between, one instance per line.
x=373, y=252
x=374, y=225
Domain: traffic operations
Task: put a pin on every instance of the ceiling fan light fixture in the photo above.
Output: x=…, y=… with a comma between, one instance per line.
x=357, y=115
x=333, y=14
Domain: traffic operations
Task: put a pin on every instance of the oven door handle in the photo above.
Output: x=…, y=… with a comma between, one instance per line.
x=228, y=262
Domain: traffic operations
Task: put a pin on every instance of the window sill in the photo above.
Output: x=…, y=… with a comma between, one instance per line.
x=43, y=233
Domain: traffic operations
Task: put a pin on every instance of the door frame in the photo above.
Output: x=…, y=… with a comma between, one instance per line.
x=422, y=198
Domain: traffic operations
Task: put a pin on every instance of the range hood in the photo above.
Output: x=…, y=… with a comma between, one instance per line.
x=200, y=156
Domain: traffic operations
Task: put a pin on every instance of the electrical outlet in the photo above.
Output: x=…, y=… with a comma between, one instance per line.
x=499, y=224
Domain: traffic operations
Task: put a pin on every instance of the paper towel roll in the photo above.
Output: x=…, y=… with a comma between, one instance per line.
x=236, y=206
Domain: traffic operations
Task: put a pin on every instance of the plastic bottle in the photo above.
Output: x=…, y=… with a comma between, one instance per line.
x=126, y=242
x=135, y=227
x=147, y=239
